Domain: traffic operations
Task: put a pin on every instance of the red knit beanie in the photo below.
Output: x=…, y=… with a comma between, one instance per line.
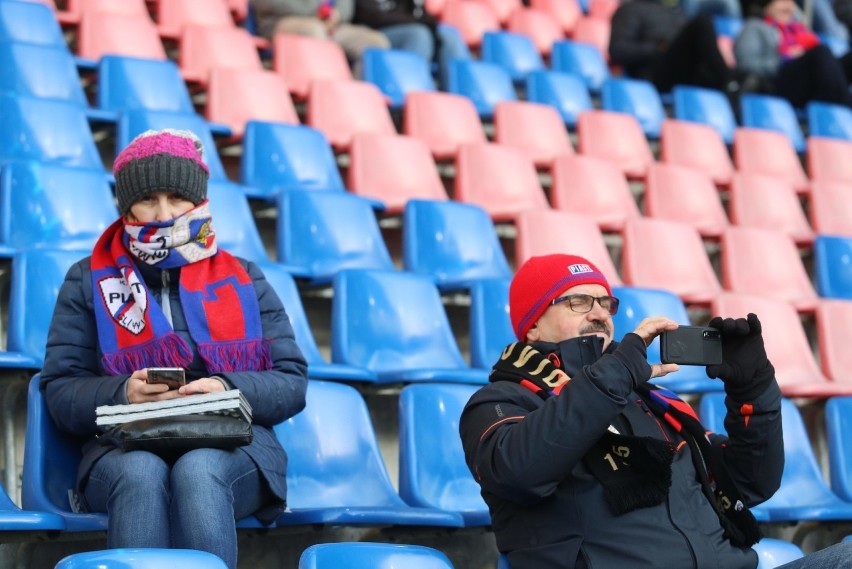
x=540, y=280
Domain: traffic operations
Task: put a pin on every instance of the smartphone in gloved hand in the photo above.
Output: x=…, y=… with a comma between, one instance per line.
x=691, y=345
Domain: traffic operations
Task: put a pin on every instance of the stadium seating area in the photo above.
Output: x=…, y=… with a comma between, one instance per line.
x=390, y=211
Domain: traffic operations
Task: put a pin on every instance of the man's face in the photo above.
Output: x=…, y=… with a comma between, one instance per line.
x=559, y=322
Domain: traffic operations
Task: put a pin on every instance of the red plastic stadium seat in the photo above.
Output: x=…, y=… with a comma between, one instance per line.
x=595, y=31
x=301, y=60
x=174, y=15
x=698, y=146
x=74, y=9
x=503, y=8
x=684, y=194
x=563, y=12
x=760, y=151
x=603, y=9
x=539, y=25
x=834, y=336
x=831, y=207
x=471, y=18
x=202, y=48
x=616, y=137
x=103, y=33
x=340, y=109
x=829, y=159
x=535, y=128
x=768, y=203
x=443, y=121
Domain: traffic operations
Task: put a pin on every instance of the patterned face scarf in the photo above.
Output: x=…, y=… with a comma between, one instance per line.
x=216, y=293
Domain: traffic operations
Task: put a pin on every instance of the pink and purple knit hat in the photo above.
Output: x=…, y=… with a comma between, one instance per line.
x=161, y=161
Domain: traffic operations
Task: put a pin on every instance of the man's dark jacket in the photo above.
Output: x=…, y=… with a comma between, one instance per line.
x=549, y=511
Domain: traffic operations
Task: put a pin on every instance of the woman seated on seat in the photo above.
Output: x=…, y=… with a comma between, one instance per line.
x=156, y=292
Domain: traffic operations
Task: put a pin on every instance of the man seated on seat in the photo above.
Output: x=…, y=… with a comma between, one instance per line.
x=584, y=463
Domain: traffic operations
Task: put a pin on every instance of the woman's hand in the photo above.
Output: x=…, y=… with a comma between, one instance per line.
x=202, y=385
x=140, y=391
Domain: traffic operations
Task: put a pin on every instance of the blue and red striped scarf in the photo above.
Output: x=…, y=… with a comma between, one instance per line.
x=216, y=294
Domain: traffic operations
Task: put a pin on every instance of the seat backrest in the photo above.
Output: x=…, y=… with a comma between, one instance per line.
x=279, y=157
x=133, y=122
x=204, y=47
x=594, y=187
x=761, y=151
x=490, y=325
x=46, y=130
x=834, y=334
x=30, y=22
x=784, y=336
x=772, y=113
x=827, y=159
x=659, y=253
x=174, y=15
x=540, y=26
x=831, y=207
x=595, y=32
x=765, y=262
x=323, y=232
x=148, y=558
x=550, y=231
x=515, y=53
x=413, y=332
x=705, y=106
x=302, y=60
x=50, y=205
x=444, y=121
x=74, y=9
x=501, y=180
x=503, y=8
x=698, y=146
x=636, y=97
x=484, y=83
x=236, y=96
x=637, y=303
x=234, y=223
x=563, y=12
x=43, y=71
x=581, y=59
x=106, y=33
x=833, y=266
x=393, y=169
x=342, y=108
x=838, y=426
x=432, y=468
x=396, y=73
x=452, y=243
x=535, y=128
x=352, y=555
x=566, y=92
x=135, y=83
x=766, y=202
x=829, y=120
x=773, y=553
x=333, y=453
x=616, y=137
x=684, y=194
x=472, y=19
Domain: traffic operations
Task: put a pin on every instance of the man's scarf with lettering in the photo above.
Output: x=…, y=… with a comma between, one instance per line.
x=216, y=294
x=636, y=471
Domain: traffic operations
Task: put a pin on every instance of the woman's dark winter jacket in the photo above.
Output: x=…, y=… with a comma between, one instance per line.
x=548, y=510
x=74, y=382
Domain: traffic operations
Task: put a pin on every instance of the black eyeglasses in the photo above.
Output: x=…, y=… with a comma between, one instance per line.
x=583, y=303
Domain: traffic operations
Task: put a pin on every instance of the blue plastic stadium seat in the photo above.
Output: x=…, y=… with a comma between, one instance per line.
x=829, y=120
x=357, y=555
x=486, y=84
x=773, y=553
x=278, y=157
x=322, y=232
x=516, y=53
x=133, y=122
x=233, y=221
x=138, y=83
x=318, y=368
x=728, y=26
x=635, y=97
x=833, y=266
x=13, y=518
x=582, y=59
x=396, y=73
x=432, y=468
x=804, y=494
x=490, y=325
x=565, y=91
x=30, y=22
x=335, y=471
x=47, y=72
x=773, y=113
x=47, y=130
x=394, y=324
x=637, y=304
x=150, y=558
x=706, y=106
x=453, y=243
x=838, y=431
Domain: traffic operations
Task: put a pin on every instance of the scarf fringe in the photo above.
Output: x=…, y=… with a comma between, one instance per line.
x=169, y=350
x=242, y=355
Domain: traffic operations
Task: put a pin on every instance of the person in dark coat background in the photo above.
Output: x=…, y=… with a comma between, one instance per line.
x=157, y=292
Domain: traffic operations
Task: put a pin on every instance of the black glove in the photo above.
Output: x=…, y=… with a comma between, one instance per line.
x=745, y=369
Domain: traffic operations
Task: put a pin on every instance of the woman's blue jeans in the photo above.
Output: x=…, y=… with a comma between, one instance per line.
x=192, y=504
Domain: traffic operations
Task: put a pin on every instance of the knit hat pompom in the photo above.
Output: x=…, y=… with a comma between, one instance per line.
x=541, y=279
x=161, y=161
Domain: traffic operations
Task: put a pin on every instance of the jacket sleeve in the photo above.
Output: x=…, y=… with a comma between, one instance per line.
x=71, y=376
x=277, y=394
x=521, y=450
x=756, y=51
x=627, y=46
x=753, y=450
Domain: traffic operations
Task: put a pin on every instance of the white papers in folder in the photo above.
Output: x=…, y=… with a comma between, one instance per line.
x=229, y=402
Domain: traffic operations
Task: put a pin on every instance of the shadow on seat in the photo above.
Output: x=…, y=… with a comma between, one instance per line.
x=357, y=555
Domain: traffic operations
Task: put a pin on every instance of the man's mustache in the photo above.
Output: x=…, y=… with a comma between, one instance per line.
x=596, y=326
